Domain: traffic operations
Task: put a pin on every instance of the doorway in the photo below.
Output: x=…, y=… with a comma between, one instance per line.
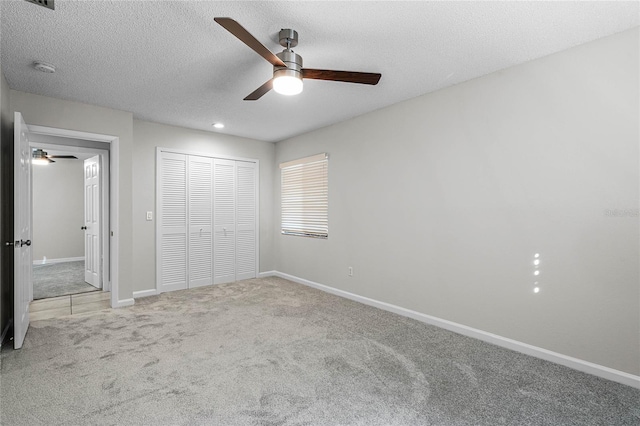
x=49, y=137
x=68, y=215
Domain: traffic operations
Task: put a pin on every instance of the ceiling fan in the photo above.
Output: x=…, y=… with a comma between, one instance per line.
x=41, y=157
x=287, y=65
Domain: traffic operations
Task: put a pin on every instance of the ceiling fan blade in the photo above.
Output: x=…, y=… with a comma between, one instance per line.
x=260, y=91
x=345, y=76
x=238, y=30
x=71, y=157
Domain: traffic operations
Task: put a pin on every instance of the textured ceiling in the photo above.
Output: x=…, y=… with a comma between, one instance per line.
x=169, y=62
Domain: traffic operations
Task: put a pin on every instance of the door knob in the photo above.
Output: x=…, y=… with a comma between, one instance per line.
x=83, y=228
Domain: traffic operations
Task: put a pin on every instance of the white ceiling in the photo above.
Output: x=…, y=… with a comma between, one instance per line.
x=169, y=62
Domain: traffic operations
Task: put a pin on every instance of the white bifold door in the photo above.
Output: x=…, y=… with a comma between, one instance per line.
x=171, y=245
x=200, y=208
x=206, y=221
x=224, y=220
x=246, y=190
x=234, y=219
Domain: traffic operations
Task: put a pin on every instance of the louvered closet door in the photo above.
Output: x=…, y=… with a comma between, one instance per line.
x=246, y=220
x=200, y=195
x=172, y=268
x=224, y=221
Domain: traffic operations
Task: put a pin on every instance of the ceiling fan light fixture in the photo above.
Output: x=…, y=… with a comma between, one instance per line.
x=41, y=161
x=287, y=82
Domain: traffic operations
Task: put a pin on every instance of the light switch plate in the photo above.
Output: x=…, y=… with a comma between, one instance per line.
x=149, y=215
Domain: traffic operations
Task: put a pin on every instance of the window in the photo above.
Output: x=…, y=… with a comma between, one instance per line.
x=305, y=197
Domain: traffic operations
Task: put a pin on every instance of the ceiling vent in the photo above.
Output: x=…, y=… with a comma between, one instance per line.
x=44, y=3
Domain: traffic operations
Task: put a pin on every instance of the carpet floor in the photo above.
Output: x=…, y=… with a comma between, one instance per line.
x=272, y=352
x=59, y=279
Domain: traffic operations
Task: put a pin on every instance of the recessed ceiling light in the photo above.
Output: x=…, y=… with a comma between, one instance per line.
x=44, y=67
x=218, y=125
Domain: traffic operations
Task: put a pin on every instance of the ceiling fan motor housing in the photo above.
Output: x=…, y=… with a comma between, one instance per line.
x=293, y=61
x=39, y=154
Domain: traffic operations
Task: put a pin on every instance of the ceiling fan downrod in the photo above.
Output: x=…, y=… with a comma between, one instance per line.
x=288, y=38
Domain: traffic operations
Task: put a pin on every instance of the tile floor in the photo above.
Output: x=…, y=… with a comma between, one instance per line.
x=69, y=305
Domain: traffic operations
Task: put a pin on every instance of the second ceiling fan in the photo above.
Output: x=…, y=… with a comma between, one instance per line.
x=40, y=156
x=287, y=65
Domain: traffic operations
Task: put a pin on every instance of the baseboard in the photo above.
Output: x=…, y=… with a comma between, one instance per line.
x=267, y=274
x=124, y=302
x=60, y=260
x=145, y=293
x=558, y=358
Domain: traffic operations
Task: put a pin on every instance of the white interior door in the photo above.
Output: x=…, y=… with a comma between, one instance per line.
x=91, y=226
x=224, y=221
x=246, y=220
x=22, y=231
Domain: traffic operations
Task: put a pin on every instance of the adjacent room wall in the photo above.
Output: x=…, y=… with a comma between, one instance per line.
x=440, y=204
x=58, y=113
x=58, y=206
x=147, y=137
x=6, y=211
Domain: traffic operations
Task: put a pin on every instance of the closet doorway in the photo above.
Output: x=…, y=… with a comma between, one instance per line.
x=207, y=219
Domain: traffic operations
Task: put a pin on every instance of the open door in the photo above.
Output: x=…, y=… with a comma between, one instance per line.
x=22, y=231
x=92, y=209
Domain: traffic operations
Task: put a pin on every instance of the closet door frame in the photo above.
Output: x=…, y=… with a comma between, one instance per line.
x=158, y=218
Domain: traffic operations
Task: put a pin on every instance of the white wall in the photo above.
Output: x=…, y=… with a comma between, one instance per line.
x=147, y=137
x=58, y=113
x=440, y=202
x=58, y=206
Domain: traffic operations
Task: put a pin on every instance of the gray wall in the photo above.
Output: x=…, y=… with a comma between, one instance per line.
x=58, y=206
x=147, y=137
x=46, y=111
x=6, y=211
x=439, y=204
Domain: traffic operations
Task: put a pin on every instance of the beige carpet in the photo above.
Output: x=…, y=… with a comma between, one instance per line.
x=271, y=352
x=59, y=279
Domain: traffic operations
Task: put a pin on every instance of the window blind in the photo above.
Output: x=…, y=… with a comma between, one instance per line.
x=305, y=198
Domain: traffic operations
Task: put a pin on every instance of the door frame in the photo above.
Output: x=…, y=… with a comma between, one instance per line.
x=105, y=162
x=110, y=197
x=159, y=151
